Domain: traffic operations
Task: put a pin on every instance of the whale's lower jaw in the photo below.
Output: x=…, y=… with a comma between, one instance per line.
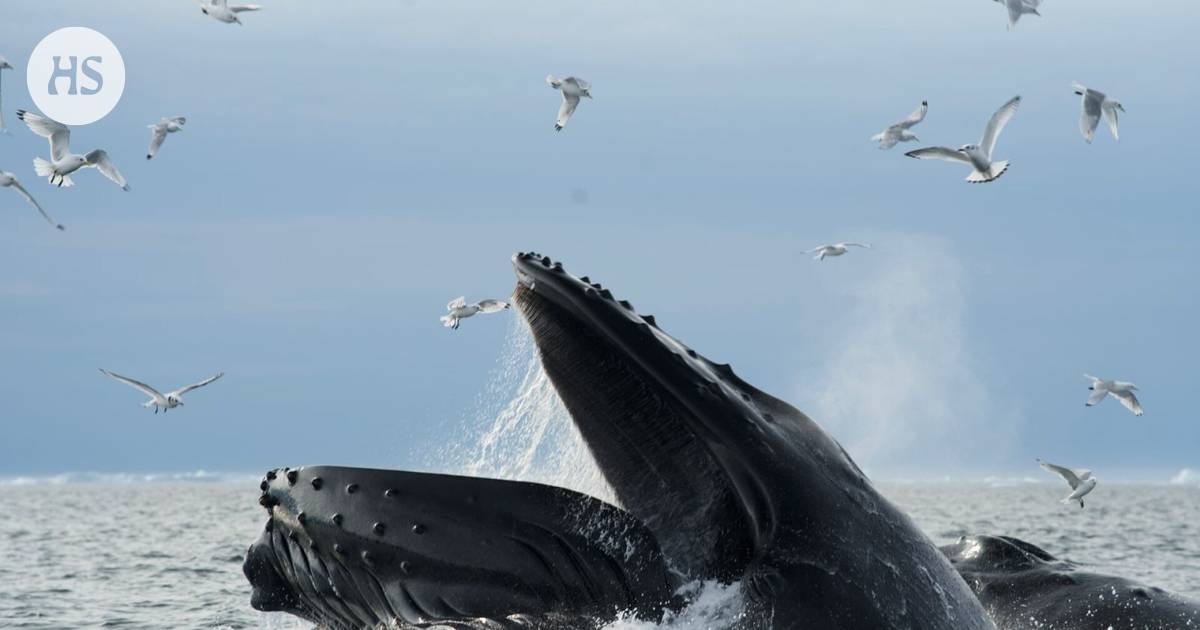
x=356, y=547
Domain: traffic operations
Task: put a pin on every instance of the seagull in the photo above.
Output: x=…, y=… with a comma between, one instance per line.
x=4, y=65
x=8, y=180
x=837, y=249
x=899, y=131
x=977, y=156
x=1017, y=8
x=1093, y=104
x=167, y=401
x=459, y=309
x=1081, y=480
x=572, y=88
x=222, y=11
x=1120, y=390
x=159, y=131
x=64, y=162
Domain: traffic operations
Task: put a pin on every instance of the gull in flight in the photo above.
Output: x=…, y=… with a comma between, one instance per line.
x=8, y=180
x=167, y=401
x=459, y=309
x=1094, y=103
x=62, y=162
x=571, y=88
x=837, y=249
x=1080, y=480
x=4, y=65
x=159, y=131
x=977, y=156
x=222, y=11
x=899, y=131
x=1120, y=390
x=1017, y=8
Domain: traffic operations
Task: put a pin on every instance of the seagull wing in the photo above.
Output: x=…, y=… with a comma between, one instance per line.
x=138, y=385
x=1110, y=114
x=570, y=102
x=855, y=245
x=1014, y=11
x=1097, y=395
x=99, y=160
x=238, y=8
x=491, y=306
x=183, y=390
x=996, y=124
x=1089, y=118
x=58, y=133
x=553, y=82
x=1130, y=401
x=158, y=133
x=816, y=249
x=939, y=153
x=914, y=118
x=457, y=302
x=1065, y=473
x=33, y=202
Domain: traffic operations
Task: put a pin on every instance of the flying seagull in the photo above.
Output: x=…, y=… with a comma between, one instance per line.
x=159, y=131
x=977, y=156
x=1095, y=103
x=4, y=65
x=571, y=88
x=1120, y=390
x=167, y=401
x=222, y=11
x=1017, y=8
x=837, y=249
x=62, y=162
x=1081, y=480
x=8, y=180
x=899, y=131
x=459, y=309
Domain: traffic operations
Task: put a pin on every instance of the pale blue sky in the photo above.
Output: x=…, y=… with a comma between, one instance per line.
x=344, y=173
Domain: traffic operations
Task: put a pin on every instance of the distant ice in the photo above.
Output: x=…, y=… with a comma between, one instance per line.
x=1186, y=477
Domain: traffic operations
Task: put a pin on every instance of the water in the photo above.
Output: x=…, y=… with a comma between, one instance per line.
x=166, y=551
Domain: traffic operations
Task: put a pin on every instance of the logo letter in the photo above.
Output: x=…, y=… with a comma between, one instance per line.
x=93, y=74
x=60, y=72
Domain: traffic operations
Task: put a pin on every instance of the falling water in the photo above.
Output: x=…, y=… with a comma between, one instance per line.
x=519, y=429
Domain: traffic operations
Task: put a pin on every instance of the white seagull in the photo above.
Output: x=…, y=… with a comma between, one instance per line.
x=571, y=88
x=977, y=156
x=1080, y=479
x=459, y=309
x=1017, y=8
x=222, y=11
x=167, y=401
x=837, y=249
x=62, y=162
x=8, y=180
x=1095, y=103
x=159, y=131
x=4, y=65
x=899, y=131
x=1120, y=390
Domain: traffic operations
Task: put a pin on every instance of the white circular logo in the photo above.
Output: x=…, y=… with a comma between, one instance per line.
x=75, y=75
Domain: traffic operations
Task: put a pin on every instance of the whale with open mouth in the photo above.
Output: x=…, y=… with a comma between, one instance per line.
x=716, y=480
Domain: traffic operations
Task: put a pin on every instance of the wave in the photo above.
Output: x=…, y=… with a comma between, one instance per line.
x=65, y=478
x=1186, y=477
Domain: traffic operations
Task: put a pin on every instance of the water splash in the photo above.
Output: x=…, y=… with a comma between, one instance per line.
x=520, y=430
x=713, y=606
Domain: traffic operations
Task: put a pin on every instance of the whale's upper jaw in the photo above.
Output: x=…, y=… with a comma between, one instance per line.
x=687, y=445
x=357, y=547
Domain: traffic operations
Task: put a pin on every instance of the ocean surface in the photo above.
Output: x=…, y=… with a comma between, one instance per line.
x=131, y=551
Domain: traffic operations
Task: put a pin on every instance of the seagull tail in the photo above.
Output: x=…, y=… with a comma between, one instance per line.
x=997, y=169
x=43, y=167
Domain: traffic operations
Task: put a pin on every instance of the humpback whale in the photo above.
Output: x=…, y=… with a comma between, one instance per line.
x=1023, y=587
x=716, y=480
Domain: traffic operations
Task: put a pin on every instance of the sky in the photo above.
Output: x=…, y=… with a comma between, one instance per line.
x=346, y=170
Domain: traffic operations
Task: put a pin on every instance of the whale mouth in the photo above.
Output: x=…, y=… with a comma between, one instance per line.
x=676, y=436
